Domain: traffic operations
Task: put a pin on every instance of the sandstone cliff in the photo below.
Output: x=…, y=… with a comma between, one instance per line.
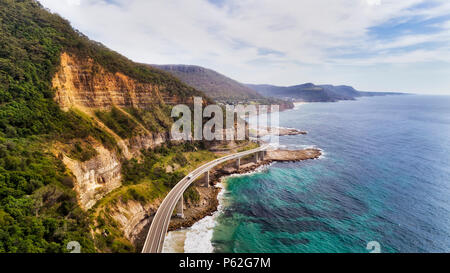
x=146, y=141
x=133, y=217
x=96, y=177
x=84, y=84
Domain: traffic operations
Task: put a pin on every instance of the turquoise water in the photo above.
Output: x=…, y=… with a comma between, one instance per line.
x=385, y=177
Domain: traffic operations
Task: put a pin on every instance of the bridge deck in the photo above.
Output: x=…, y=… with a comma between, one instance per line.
x=160, y=224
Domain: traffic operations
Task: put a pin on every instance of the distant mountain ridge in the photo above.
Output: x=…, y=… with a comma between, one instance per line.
x=226, y=90
x=220, y=87
x=212, y=83
x=310, y=92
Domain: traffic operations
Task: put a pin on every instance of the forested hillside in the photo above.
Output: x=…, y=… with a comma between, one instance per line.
x=215, y=85
x=220, y=87
x=39, y=211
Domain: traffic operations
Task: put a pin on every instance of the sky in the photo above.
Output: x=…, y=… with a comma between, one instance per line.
x=373, y=45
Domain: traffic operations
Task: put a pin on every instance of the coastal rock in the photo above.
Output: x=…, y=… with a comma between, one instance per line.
x=96, y=177
x=146, y=141
x=208, y=201
x=291, y=132
x=293, y=155
x=134, y=218
x=206, y=206
x=262, y=132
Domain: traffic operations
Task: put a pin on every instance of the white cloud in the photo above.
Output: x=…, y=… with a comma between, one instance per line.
x=73, y=2
x=374, y=2
x=251, y=40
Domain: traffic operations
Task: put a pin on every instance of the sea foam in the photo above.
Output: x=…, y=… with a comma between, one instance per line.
x=198, y=238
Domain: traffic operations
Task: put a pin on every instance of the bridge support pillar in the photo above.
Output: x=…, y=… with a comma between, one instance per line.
x=256, y=157
x=238, y=163
x=179, y=207
x=262, y=155
x=207, y=179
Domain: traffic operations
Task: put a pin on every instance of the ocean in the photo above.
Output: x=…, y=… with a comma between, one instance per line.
x=384, y=178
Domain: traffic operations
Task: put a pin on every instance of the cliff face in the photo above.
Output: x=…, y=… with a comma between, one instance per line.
x=83, y=83
x=147, y=141
x=44, y=58
x=133, y=217
x=96, y=177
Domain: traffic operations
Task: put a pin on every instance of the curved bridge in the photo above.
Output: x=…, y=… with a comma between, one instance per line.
x=160, y=224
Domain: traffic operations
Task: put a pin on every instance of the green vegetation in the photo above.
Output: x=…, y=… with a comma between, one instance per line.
x=111, y=238
x=117, y=121
x=248, y=146
x=180, y=159
x=221, y=88
x=218, y=86
x=31, y=42
x=155, y=119
x=144, y=181
x=126, y=124
x=151, y=168
x=82, y=151
x=38, y=208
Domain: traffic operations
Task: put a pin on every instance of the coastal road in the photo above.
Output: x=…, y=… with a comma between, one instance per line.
x=160, y=224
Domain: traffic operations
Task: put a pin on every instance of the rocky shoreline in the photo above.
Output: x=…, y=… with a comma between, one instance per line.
x=290, y=132
x=208, y=196
x=262, y=132
x=209, y=203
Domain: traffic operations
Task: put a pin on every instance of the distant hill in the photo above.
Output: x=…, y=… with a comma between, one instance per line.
x=214, y=84
x=309, y=92
x=219, y=87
